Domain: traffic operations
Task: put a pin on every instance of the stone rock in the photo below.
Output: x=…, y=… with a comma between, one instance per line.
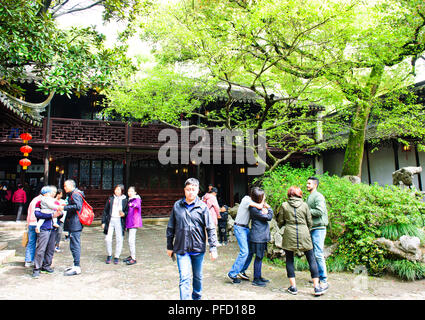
x=410, y=244
x=353, y=179
x=278, y=240
x=233, y=210
x=408, y=250
x=404, y=176
x=328, y=250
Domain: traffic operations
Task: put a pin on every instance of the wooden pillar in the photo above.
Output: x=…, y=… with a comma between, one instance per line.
x=46, y=165
x=127, y=168
x=418, y=164
x=231, y=187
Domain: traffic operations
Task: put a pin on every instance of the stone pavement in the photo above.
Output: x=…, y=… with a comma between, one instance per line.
x=155, y=276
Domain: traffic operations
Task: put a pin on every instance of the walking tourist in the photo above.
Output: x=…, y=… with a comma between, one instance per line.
x=241, y=232
x=187, y=230
x=73, y=225
x=296, y=217
x=317, y=204
x=133, y=222
x=113, y=221
x=259, y=234
x=19, y=199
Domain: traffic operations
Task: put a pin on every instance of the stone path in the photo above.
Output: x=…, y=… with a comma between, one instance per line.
x=155, y=276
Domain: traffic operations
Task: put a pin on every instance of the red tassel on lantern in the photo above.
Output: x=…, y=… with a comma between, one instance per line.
x=26, y=150
x=25, y=163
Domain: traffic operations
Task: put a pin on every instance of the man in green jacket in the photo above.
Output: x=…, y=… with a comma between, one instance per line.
x=317, y=204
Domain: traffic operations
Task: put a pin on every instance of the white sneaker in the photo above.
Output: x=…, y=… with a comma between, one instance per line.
x=72, y=271
x=29, y=264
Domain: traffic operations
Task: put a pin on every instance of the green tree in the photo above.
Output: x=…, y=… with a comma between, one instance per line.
x=218, y=46
x=342, y=55
x=61, y=61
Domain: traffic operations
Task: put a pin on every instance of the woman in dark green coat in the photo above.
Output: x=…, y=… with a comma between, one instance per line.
x=296, y=217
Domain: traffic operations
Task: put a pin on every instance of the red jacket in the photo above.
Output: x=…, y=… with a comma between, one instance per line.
x=19, y=196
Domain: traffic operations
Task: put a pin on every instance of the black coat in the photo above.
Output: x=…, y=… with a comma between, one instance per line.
x=260, y=229
x=75, y=203
x=107, y=212
x=186, y=228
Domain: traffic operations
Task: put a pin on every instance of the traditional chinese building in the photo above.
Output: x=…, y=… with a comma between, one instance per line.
x=71, y=140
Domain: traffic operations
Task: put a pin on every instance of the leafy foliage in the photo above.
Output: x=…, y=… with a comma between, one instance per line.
x=31, y=44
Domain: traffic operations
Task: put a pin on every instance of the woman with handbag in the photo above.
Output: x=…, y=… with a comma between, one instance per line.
x=295, y=215
x=133, y=222
x=113, y=220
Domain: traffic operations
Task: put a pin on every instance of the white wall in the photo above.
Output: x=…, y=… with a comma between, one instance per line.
x=382, y=165
x=333, y=161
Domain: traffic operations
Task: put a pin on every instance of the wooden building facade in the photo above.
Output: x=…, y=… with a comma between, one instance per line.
x=69, y=143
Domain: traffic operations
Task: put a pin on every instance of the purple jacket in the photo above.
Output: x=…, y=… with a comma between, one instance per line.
x=134, y=216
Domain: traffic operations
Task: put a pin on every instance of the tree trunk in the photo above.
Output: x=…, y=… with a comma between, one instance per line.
x=354, y=152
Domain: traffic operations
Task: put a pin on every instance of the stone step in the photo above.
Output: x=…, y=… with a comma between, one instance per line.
x=13, y=225
x=3, y=245
x=6, y=256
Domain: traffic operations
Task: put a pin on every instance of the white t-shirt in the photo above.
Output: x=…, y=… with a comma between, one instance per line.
x=242, y=217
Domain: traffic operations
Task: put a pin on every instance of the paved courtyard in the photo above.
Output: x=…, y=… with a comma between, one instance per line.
x=155, y=276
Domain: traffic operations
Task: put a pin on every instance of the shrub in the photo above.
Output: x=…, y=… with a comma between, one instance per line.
x=406, y=270
x=358, y=214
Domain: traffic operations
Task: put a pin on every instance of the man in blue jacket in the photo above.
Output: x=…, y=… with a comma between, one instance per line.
x=73, y=225
x=45, y=249
x=189, y=224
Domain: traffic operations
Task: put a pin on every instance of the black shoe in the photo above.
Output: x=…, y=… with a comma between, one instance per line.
x=36, y=274
x=127, y=259
x=292, y=290
x=47, y=270
x=108, y=259
x=243, y=276
x=318, y=291
x=258, y=283
x=116, y=260
x=264, y=280
x=130, y=262
x=233, y=279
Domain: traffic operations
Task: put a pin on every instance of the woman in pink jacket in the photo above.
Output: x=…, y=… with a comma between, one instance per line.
x=19, y=199
x=210, y=199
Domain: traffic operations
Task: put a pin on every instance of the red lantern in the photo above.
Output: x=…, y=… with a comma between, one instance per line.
x=26, y=150
x=26, y=137
x=25, y=163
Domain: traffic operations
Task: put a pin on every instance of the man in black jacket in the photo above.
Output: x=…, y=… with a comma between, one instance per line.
x=187, y=230
x=73, y=225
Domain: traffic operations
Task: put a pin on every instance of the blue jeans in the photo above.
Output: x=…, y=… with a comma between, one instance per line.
x=318, y=239
x=32, y=242
x=187, y=263
x=75, y=246
x=245, y=256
